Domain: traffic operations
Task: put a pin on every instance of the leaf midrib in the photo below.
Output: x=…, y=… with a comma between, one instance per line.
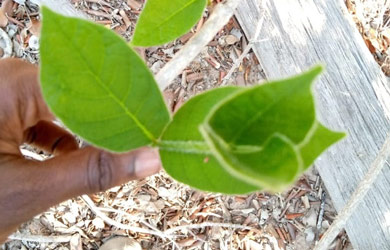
x=108, y=91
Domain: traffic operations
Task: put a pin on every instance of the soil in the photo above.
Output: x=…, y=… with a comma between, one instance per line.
x=289, y=220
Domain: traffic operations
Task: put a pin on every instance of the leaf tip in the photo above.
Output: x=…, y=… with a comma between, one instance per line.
x=46, y=10
x=314, y=72
x=317, y=69
x=340, y=135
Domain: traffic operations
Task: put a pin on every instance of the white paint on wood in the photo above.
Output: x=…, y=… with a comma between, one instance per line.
x=352, y=96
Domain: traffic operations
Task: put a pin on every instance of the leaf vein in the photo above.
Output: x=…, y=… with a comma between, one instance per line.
x=102, y=85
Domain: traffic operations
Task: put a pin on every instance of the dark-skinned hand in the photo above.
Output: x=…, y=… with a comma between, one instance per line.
x=29, y=187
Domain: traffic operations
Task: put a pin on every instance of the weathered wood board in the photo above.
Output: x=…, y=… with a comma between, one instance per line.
x=353, y=96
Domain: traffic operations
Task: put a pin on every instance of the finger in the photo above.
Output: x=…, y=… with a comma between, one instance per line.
x=21, y=92
x=29, y=188
x=51, y=138
x=21, y=103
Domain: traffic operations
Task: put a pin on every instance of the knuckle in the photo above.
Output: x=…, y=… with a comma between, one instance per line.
x=100, y=171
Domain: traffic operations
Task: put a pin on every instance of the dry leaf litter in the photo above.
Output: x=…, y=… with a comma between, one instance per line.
x=176, y=216
x=372, y=18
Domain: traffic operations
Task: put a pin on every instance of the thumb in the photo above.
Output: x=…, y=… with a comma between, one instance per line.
x=31, y=187
x=96, y=170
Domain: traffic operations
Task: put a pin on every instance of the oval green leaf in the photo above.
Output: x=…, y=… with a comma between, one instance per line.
x=162, y=21
x=98, y=86
x=276, y=125
x=185, y=155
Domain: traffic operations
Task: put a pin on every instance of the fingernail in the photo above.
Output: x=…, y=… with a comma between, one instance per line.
x=147, y=163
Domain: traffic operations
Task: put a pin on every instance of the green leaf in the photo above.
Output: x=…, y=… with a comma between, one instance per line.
x=162, y=21
x=186, y=156
x=285, y=107
x=276, y=125
x=319, y=138
x=272, y=166
x=98, y=86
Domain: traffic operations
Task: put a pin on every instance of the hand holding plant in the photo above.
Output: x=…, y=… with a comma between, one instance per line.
x=229, y=140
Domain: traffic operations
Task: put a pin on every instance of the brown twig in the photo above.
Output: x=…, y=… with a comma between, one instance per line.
x=320, y=216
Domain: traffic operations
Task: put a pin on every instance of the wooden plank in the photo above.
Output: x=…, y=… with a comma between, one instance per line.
x=353, y=96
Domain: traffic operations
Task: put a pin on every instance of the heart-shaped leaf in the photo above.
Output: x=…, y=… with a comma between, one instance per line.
x=276, y=125
x=98, y=86
x=162, y=21
x=186, y=156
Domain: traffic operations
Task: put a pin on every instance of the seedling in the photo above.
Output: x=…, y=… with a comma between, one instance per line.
x=231, y=140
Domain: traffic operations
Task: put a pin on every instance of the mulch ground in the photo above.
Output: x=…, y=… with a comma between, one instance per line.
x=188, y=218
x=372, y=18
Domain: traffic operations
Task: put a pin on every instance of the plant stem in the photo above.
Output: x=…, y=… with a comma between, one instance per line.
x=358, y=195
x=220, y=16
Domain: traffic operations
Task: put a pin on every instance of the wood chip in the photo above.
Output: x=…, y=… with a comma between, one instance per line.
x=8, y=7
x=34, y=26
x=285, y=234
x=99, y=2
x=213, y=62
x=104, y=21
x=3, y=19
x=5, y=12
x=350, y=6
x=302, y=192
x=98, y=223
x=230, y=39
x=305, y=201
x=15, y=21
x=280, y=234
x=213, y=43
x=222, y=74
x=291, y=231
x=99, y=14
x=199, y=25
x=125, y=18
x=75, y=242
x=194, y=77
x=184, y=38
x=240, y=80
x=178, y=104
x=369, y=45
x=134, y=4
x=187, y=242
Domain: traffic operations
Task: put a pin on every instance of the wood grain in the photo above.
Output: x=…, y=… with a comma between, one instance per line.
x=353, y=96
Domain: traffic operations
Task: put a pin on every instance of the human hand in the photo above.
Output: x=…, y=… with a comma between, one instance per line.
x=29, y=187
